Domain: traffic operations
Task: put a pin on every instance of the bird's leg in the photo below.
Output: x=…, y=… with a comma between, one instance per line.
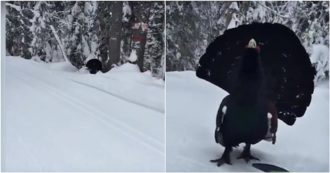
x=225, y=158
x=246, y=154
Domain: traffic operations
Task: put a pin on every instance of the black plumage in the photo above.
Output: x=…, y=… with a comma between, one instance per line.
x=266, y=71
x=94, y=65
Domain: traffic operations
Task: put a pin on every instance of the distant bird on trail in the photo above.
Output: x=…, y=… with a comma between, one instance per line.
x=94, y=65
x=268, y=75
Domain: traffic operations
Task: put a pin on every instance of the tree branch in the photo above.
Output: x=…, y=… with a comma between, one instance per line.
x=275, y=12
x=59, y=43
x=16, y=7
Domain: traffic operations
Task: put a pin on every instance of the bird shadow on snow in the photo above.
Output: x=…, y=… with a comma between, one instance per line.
x=281, y=159
x=215, y=153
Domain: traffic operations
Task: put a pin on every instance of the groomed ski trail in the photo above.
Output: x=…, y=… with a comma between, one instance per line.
x=51, y=123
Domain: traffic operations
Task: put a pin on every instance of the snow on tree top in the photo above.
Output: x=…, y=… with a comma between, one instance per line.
x=234, y=6
x=133, y=56
x=126, y=12
x=144, y=26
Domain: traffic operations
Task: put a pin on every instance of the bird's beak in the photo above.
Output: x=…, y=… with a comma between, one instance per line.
x=252, y=44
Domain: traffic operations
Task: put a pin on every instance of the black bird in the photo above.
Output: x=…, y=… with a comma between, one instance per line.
x=94, y=65
x=268, y=75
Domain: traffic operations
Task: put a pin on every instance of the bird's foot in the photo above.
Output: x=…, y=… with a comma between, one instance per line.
x=247, y=156
x=222, y=160
x=225, y=158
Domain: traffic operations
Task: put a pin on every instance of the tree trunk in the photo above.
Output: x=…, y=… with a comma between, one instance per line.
x=115, y=34
x=141, y=11
x=140, y=53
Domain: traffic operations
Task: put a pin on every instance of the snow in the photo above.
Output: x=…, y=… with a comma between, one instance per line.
x=90, y=7
x=75, y=9
x=319, y=53
x=86, y=50
x=192, y=104
x=3, y=12
x=126, y=12
x=56, y=118
x=260, y=11
x=59, y=43
x=141, y=25
x=320, y=57
x=233, y=21
x=133, y=56
x=178, y=55
x=16, y=7
x=234, y=6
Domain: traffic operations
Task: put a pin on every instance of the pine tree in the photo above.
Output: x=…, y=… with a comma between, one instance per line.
x=19, y=36
x=155, y=44
x=140, y=20
x=126, y=32
x=191, y=26
x=76, y=41
x=78, y=31
x=44, y=43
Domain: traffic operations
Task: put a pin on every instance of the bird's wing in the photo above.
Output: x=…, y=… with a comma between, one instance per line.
x=288, y=70
x=220, y=118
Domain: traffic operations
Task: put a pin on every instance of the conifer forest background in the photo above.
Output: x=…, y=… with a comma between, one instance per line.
x=110, y=31
x=191, y=26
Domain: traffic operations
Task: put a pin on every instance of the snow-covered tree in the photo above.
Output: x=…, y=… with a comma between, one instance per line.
x=155, y=43
x=126, y=32
x=18, y=35
x=75, y=32
x=44, y=43
x=191, y=26
x=140, y=20
x=77, y=45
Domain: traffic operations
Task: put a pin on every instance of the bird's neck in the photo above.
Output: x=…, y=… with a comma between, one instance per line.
x=250, y=63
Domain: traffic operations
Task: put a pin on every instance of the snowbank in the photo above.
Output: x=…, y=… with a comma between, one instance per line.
x=192, y=104
x=320, y=57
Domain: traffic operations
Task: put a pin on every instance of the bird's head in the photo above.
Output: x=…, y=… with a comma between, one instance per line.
x=253, y=45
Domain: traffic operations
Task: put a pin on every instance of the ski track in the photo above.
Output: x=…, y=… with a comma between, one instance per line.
x=118, y=96
x=101, y=116
x=137, y=82
x=54, y=88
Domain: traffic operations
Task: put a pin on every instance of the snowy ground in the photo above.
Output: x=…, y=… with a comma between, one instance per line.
x=58, y=119
x=191, y=108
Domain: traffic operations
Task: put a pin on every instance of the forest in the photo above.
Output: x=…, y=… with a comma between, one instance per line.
x=192, y=26
x=120, y=32
x=113, y=32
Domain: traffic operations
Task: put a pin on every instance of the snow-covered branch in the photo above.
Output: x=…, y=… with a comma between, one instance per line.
x=275, y=12
x=16, y=7
x=59, y=43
